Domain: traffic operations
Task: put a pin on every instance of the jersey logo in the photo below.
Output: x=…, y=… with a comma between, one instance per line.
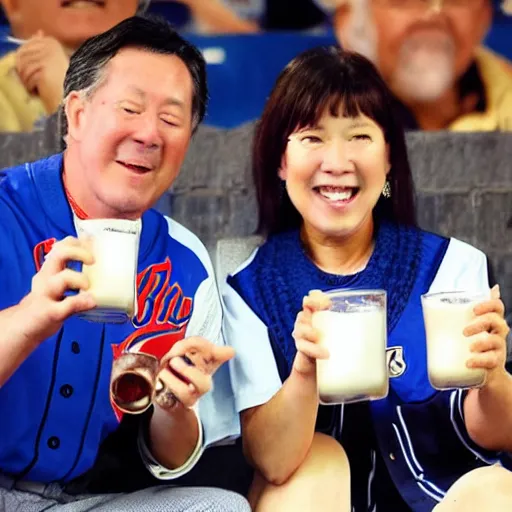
x=41, y=250
x=162, y=313
x=396, y=361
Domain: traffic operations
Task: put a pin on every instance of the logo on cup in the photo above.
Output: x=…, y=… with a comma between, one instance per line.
x=396, y=361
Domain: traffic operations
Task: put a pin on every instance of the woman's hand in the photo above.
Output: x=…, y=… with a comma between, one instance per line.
x=306, y=336
x=488, y=333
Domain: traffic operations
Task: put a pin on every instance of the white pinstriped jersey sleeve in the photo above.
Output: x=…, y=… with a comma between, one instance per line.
x=216, y=410
x=464, y=268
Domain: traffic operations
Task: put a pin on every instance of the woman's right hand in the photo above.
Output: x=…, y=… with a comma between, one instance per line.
x=306, y=336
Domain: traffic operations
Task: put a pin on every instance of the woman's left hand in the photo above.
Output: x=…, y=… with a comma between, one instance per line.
x=488, y=333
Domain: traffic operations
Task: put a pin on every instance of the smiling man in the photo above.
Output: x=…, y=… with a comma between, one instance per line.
x=134, y=95
x=430, y=54
x=32, y=77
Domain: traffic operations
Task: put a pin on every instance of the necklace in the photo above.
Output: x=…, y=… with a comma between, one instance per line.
x=74, y=205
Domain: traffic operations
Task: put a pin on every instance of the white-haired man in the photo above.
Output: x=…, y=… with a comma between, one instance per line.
x=430, y=53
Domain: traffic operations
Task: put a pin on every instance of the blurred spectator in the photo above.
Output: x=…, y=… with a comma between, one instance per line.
x=32, y=77
x=220, y=16
x=247, y=16
x=430, y=53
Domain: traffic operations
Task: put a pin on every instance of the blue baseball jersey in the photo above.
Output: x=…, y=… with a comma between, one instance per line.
x=56, y=408
x=407, y=449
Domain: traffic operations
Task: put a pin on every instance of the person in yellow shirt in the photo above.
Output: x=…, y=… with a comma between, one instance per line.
x=32, y=76
x=430, y=53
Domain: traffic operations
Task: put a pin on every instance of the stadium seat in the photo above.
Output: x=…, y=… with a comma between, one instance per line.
x=242, y=70
x=499, y=37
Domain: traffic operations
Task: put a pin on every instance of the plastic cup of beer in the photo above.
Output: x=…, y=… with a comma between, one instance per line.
x=446, y=315
x=112, y=276
x=354, y=331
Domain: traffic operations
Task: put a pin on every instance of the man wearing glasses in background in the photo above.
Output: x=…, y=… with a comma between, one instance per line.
x=430, y=54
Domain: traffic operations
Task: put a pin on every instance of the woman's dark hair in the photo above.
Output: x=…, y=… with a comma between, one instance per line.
x=154, y=34
x=317, y=79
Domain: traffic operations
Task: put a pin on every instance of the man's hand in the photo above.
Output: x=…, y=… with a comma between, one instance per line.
x=42, y=63
x=186, y=375
x=187, y=369
x=46, y=307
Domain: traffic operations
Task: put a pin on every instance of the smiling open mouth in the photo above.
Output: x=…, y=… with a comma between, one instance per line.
x=82, y=3
x=140, y=168
x=337, y=194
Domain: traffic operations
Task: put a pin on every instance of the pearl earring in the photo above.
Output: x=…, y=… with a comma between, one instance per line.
x=386, y=191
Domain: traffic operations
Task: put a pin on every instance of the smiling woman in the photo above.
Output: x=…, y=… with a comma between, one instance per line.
x=319, y=109
x=335, y=199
